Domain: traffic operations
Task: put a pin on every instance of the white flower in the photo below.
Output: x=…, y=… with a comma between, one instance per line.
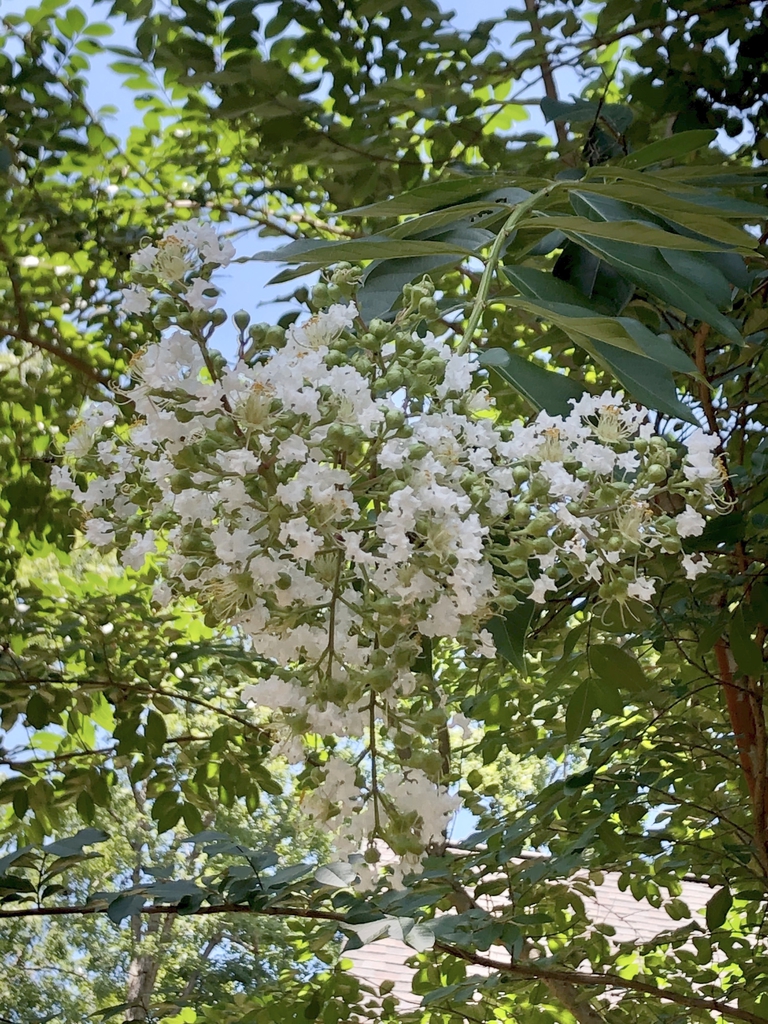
x=162, y=594
x=195, y=297
x=641, y=589
x=541, y=587
x=62, y=478
x=135, y=300
x=695, y=565
x=99, y=532
x=700, y=462
x=306, y=541
x=690, y=523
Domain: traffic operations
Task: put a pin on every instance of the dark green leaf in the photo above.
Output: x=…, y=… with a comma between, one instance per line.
x=670, y=149
x=745, y=650
x=544, y=389
x=371, y=248
x=124, y=906
x=74, y=844
x=509, y=632
x=617, y=666
x=578, y=714
x=644, y=380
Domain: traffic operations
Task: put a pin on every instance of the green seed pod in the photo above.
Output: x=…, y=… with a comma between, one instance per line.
x=541, y=523
x=671, y=545
x=517, y=568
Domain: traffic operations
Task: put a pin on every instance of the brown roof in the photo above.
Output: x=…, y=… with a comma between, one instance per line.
x=634, y=921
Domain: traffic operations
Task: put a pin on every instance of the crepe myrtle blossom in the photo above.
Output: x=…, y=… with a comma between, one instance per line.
x=345, y=494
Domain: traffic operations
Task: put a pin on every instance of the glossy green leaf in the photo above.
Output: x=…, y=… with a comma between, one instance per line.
x=630, y=231
x=426, y=198
x=370, y=248
x=544, y=389
x=673, y=148
x=644, y=379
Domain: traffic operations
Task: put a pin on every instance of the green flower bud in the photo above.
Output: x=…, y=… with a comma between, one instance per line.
x=655, y=473
x=520, y=474
x=418, y=451
x=167, y=307
x=379, y=328
x=320, y=297
x=162, y=322
x=218, y=317
x=242, y=318
x=517, y=568
x=275, y=336
x=543, y=545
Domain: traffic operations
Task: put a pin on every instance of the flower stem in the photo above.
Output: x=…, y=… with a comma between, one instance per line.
x=481, y=299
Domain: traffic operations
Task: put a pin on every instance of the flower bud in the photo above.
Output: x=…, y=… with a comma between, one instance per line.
x=242, y=318
x=655, y=473
x=218, y=317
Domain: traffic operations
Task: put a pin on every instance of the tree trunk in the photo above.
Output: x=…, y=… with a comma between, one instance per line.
x=142, y=974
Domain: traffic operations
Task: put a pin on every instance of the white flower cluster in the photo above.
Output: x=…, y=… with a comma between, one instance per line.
x=346, y=492
x=177, y=259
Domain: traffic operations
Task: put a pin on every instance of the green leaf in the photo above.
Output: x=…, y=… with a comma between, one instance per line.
x=561, y=298
x=617, y=666
x=38, y=711
x=670, y=149
x=748, y=655
x=634, y=232
x=124, y=906
x=644, y=379
x=426, y=198
x=383, y=280
x=607, y=696
x=646, y=267
x=372, y=247
x=338, y=874
x=544, y=389
x=11, y=858
x=155, y=732
x=509, y=632
x=578, y=714
x=74, y=844
x=718, y=907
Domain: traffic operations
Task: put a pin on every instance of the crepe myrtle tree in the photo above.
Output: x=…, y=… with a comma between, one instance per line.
x=454, y=512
